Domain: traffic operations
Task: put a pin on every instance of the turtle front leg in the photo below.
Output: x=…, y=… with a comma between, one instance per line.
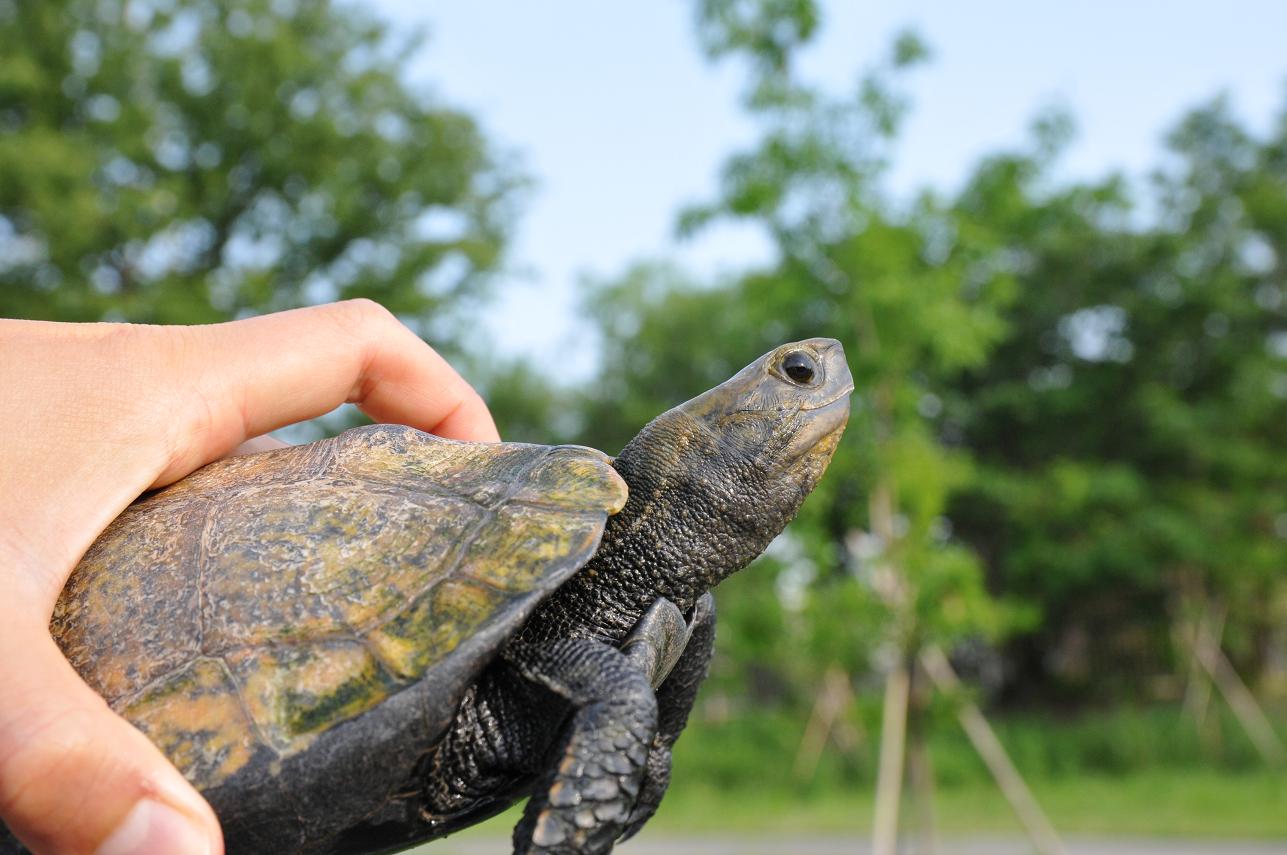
x=675, y=699
x=581, y=805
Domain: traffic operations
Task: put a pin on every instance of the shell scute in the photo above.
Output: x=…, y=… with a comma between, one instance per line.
x=247, y=471
x=435, y=625
x=294, y=691
x=574, y=477
x=517, y=549
x=196, y=717
x=319, y=557
x=159, y=593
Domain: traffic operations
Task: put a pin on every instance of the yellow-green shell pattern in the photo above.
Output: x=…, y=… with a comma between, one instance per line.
x=267, y=598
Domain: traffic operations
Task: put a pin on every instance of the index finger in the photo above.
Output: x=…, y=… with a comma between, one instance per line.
x=275, y=370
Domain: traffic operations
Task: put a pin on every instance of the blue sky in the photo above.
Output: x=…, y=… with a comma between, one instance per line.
x=621, y=122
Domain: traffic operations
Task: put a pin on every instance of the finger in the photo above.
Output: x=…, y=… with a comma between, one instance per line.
x=296, y=365
x=76, y=778
x=279, y=369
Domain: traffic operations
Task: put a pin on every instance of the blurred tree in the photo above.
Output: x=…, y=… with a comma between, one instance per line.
x=1132, y=422
x=186, y=161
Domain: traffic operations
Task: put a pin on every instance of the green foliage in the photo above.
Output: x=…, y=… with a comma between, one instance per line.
x=870, y=558
x=750, y=751
x=769, y=30
x=1130, y=428
x=186, y=161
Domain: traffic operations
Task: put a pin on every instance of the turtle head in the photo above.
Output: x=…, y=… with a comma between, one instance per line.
x=715, y=479
x=783, y=414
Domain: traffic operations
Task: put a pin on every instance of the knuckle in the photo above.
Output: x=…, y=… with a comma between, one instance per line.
x=362, y=314
x=366, y=323
x=373, y=331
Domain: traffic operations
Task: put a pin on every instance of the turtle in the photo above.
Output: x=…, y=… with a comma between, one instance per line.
x=377, y=639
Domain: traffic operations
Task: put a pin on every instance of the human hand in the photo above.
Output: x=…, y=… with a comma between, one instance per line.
x=94, y=415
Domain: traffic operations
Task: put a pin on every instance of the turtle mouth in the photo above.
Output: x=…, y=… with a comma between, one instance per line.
x=832, y=412
x=842, y=395
x=820, y=427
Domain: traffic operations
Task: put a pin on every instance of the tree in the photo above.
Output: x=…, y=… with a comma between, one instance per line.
x=186, y=161
x=1130, y=426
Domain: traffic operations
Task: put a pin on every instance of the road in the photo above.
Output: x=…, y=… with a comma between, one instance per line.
x=665, y=845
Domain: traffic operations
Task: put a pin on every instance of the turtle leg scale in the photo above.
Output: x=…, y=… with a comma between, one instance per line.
x=675, y=699
x=582, y=803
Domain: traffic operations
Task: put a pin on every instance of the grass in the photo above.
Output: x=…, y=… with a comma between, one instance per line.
x=1128, y=771
x=1146, y=804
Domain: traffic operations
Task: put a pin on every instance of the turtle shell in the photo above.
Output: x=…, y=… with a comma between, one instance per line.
x=250, y=615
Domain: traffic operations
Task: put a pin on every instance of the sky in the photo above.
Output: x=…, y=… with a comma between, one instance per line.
x=613, y=111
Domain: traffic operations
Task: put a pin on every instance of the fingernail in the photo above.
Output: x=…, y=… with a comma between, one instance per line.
x=154, y=828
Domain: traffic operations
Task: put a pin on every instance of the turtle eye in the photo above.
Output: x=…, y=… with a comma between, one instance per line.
x=799, y=367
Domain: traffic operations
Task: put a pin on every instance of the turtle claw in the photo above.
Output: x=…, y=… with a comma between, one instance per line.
x=656, y=780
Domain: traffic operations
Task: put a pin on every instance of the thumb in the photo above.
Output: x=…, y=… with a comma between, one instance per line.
x=75, y=777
